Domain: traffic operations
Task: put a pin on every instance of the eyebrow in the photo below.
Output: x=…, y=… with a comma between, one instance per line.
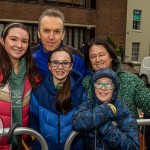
x=13, y=36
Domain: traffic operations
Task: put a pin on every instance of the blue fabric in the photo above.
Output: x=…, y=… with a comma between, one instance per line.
x=95, y=119
x=41, y=59
x=44, y=117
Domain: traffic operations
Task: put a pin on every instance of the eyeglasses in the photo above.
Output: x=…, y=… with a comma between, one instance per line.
x=108, y=86
x=64, y=64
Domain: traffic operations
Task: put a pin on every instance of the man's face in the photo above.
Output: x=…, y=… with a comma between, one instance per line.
x=51, y=32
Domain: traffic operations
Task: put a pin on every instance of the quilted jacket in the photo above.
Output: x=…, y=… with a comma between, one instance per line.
x=6, y=109
x=54, y=126
x=132, y=91
x=98, y=121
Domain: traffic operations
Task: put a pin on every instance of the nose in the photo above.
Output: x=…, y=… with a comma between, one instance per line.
x=103, y=87
x=19, y=43
x=51, y=35
x=60, y=66
x=97, y=58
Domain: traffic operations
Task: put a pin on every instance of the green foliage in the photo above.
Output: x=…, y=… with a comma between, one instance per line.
x=114, y=45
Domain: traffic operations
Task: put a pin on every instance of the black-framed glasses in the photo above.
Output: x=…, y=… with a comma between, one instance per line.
x=108, y=86
x=64, y=64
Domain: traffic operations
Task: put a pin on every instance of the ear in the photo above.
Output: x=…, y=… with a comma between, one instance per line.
x=39, y=34
x=2, y=41
x=63, y=35
x=71, y=66
x=49, y=67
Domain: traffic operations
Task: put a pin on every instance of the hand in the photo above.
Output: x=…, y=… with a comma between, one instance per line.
x=113, y=108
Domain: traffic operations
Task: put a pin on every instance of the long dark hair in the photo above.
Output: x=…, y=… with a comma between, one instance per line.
x=6, y=64
x=63, y=96
x=108, y=47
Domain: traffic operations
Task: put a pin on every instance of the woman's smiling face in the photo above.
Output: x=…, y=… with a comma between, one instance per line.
x=99, y=57
x=16, y=43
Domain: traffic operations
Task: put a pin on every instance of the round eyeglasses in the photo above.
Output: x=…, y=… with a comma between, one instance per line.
x=64, y=64
x=108, y=86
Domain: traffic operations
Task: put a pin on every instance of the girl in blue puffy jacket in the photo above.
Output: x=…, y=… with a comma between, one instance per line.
x=54, y=101
x=99, y=116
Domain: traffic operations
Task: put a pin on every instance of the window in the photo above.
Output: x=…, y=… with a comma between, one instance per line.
x=73, y=3
x=79, y=3
x=65, y=2
x=31, y=1
x=81, y=36
x=52, y=2
x=75, y=36
x=136, y=19
x=1, y=28
x=135, y=51
x=70, y=33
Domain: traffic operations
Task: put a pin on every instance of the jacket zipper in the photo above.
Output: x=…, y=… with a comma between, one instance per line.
x=58, y=129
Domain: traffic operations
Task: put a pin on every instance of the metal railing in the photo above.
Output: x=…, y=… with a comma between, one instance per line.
x=29, y=131
x=73, y=134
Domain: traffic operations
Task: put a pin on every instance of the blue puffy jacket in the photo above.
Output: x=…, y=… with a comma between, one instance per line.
x=44, y=117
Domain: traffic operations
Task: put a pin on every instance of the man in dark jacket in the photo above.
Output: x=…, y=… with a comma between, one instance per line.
x=51, y=33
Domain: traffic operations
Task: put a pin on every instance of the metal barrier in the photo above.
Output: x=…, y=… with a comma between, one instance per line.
x=29, y=131
x=73, y=134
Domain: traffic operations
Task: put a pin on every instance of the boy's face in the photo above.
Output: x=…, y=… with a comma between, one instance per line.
x=104, y=89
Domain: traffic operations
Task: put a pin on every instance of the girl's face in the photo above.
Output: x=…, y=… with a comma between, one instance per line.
x=99, y=57
x=16, y=43
x=60, y=66
x=104, y=89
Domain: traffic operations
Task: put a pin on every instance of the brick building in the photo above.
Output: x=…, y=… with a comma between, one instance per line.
x=84, y=19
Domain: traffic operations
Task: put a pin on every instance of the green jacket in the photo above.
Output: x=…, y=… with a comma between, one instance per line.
x=132, y=91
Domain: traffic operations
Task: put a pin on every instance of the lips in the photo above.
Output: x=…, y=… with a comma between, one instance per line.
x=60, y=73
x=17, y=51
x=103, y=94
x=50, y=43
x=100, y=64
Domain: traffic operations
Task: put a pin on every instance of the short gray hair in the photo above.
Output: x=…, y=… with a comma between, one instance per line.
x=53, y=13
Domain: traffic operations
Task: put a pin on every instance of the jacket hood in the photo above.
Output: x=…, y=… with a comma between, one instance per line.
x=75, y=77
x=105, y=72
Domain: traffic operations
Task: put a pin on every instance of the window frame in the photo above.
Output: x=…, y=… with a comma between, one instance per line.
x=135, y=51
x=137, y=19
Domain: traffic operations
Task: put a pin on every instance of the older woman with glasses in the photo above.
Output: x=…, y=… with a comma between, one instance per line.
x=96, y=116
x=55, y=100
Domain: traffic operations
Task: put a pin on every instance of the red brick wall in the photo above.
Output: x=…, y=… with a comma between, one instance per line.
x=109, y=16
x=111, y=19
